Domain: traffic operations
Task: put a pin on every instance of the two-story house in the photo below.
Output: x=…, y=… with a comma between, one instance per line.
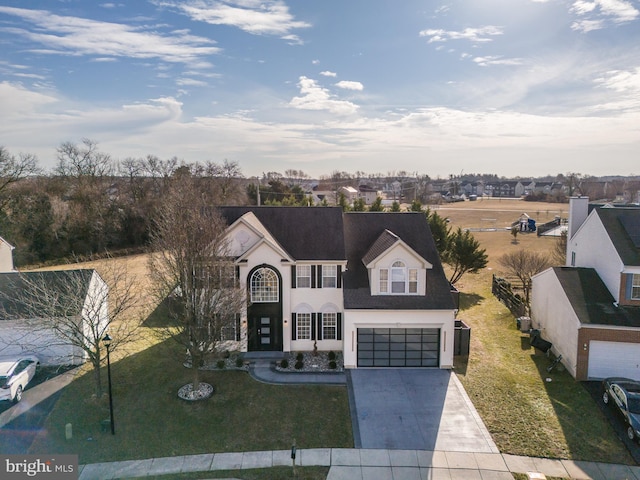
x=368, y=284
x=590, y=308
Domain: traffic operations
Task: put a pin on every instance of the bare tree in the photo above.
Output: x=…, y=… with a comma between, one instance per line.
x=77, y=308
x=190, y=264
x=14, y=168
x=559, y=251
x=524, y=264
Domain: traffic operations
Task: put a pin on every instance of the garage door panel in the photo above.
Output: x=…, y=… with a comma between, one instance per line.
x=397, y=347
x=614, y=359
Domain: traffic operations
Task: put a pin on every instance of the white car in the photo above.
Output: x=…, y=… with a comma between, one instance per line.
x=15, y=374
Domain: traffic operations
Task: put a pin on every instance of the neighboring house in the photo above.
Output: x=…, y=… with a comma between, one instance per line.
x=369, y=194
x=79, y=298
x=370, y=285
x=6, y=256
x=350, y=193
x=590, y=309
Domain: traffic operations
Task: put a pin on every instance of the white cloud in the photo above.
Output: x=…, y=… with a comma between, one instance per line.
x=596, y=14
x=190, y=82
x=314, y=97
x=349, y=85
x=496, y=60
x=626, y=84
x=481, y=34
x=66, y=35
x=258, y=17
x=327, y=73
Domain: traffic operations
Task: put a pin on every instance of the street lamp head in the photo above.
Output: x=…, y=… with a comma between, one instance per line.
x=106, y=340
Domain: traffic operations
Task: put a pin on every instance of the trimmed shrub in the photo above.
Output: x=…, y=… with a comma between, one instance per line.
x=284, y=363
x=299, y=356
x=299, y=365
x=239, y=362
x=332, y=355
x=220, y=364
x=333, y=365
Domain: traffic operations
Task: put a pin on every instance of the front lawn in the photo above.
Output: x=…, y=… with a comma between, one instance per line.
x=151, y=421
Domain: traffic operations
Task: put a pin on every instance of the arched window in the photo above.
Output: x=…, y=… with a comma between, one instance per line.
x=398, y=277
x=264, y=286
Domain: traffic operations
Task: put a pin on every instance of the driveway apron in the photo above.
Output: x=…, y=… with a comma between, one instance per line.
x=414, y=409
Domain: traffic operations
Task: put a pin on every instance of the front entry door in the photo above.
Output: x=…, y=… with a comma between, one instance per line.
x=264, y=334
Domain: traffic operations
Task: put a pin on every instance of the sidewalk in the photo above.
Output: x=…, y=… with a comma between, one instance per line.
x=355, y=464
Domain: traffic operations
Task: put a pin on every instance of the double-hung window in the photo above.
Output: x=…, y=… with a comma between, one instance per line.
x=384, y=280
x=635, y=287
x=329, y=326
x=303, y=276
x=329, y=276
x=398, y=277
x=303, y=326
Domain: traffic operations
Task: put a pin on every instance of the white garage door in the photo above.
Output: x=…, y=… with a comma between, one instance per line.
x=614, y=359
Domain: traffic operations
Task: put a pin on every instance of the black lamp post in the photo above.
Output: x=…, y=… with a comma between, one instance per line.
x=107, y=343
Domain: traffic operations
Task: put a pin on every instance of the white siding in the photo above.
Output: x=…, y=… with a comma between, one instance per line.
x=552, y=313
x=442, y=319
x=593, y=248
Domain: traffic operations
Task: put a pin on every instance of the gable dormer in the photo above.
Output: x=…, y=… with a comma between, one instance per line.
x=394, y=268
x=248, y=234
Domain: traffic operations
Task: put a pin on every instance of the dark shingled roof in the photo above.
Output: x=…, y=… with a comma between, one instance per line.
x=361, y=231
x=306, y=233
x=592, y=301
x=384, y=242
x=64, y=283
x=623, y=227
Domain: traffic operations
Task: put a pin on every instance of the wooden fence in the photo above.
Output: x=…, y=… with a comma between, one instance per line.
x=501, y=289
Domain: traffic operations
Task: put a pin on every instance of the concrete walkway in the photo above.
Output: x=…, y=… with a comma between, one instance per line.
x=358, y=464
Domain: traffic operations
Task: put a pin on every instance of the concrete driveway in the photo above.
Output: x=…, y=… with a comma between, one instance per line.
x=414, y=409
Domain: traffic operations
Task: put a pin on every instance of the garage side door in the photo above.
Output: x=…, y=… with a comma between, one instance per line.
x=398, y=347
x=614, y=359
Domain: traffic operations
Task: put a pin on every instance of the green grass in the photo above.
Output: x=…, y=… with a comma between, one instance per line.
x=507, y=382
x=151, y=421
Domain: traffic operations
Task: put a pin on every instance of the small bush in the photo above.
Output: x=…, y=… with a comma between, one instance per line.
x=284, y=363
x=226, y=354
x=239, y=362
x=220, y=364
x=299, y=365
x=332, y=355
x=299, y=356
x=333, y=365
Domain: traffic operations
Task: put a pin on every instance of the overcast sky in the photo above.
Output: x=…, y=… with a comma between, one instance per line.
x=512, y=87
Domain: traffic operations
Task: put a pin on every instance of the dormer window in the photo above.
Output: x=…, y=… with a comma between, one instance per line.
x=399, y=279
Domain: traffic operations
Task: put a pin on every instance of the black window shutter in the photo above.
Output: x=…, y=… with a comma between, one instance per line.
x=237, y=279
x=293, y=276
x=294, y=326
x=339, y=279
x=313, y=276
x=339, y=326
x=319, y=326
x=319, y=272
x=237, y=327
x=313, y=326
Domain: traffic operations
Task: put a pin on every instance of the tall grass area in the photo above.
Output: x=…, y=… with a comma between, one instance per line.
x=151, y=421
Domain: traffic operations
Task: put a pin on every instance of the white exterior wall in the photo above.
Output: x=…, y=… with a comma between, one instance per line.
x=6, y=256
x=593, y=249
x=552, y=313
x=442, y=319
x=313, y=300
